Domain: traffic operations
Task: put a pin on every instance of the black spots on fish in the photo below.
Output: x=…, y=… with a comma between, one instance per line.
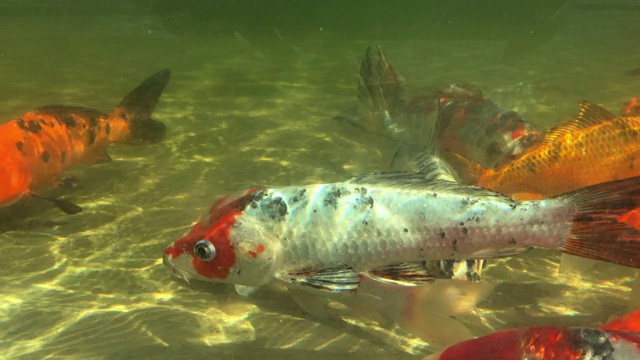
x=45, y=156
x=441, y=233
x=332, y=197
x=34, y=126
x=365, y=222
x=435, y=195
x=467, y=201
x=253, y=199
x=93, y=121
x=275, y=208
x=299, y=196
x=454, y=245
x=22, y=124
x=530, y=166
x=512, y=241
x=91, y=136
x=465, y=231
x=63, y=156
x=514, y=205
x=475, y=219
x=315, y=211
x=281, y=205
x=364, y=199
x=107, y=129
x=20, y=147
x=405, y=230
x=68, y=121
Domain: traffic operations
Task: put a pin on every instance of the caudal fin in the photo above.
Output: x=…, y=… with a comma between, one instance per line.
x=606, y=225
x=131, y=120
x=629, y=322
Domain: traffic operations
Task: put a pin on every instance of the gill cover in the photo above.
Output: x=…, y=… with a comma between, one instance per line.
x=223, y=247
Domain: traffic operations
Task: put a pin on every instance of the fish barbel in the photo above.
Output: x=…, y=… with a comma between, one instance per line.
x=388, y=224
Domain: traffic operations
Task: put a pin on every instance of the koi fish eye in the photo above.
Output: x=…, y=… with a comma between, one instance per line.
x=204, y=250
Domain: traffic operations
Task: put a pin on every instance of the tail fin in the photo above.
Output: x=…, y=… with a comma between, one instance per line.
x=629, y=322
x=379, y=88
x=606, y=225
x=134, y=113
x=379, y=97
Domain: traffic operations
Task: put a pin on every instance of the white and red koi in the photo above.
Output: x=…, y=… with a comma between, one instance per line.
x=387, y=225
x=617, y=340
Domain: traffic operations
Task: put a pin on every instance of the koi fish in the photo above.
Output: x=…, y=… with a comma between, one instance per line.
x=402, y=127
x=470, y=123
x=41, y=145
x=617, y=340
x=594, y=147
x=386, y=225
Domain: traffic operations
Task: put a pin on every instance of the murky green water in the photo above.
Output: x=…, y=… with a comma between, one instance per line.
x=250, y=106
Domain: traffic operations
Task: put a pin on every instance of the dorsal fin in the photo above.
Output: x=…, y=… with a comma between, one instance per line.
x=590, y=114
x=468, y=171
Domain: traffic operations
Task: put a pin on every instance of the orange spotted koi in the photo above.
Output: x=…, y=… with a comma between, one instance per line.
x=594, y=147
x=617, y=340
x=41, y=145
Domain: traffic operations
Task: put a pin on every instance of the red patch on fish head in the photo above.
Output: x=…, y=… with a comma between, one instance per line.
x=208, y=244
x=258, y=250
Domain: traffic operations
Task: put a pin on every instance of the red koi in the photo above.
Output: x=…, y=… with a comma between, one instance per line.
x=619, y=340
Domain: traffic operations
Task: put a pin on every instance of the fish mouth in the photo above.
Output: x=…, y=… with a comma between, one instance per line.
x=166, y=261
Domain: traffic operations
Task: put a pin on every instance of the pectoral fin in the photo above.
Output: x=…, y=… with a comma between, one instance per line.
x=407, y=274
x=65, y=205
x=246, y=291
x=336, y=279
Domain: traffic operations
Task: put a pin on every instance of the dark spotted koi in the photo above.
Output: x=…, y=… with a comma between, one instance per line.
x=388, y=225
x=41, y=145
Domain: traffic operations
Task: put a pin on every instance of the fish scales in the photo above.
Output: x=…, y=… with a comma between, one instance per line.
x=367, y=225
x=613, y=142
x=38, y=147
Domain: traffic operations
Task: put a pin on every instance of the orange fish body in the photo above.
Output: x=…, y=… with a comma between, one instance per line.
x=37, y=148
x=593, y=148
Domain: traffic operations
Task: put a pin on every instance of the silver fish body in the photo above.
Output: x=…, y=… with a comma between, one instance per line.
x=395, y=226
x=368, y=225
